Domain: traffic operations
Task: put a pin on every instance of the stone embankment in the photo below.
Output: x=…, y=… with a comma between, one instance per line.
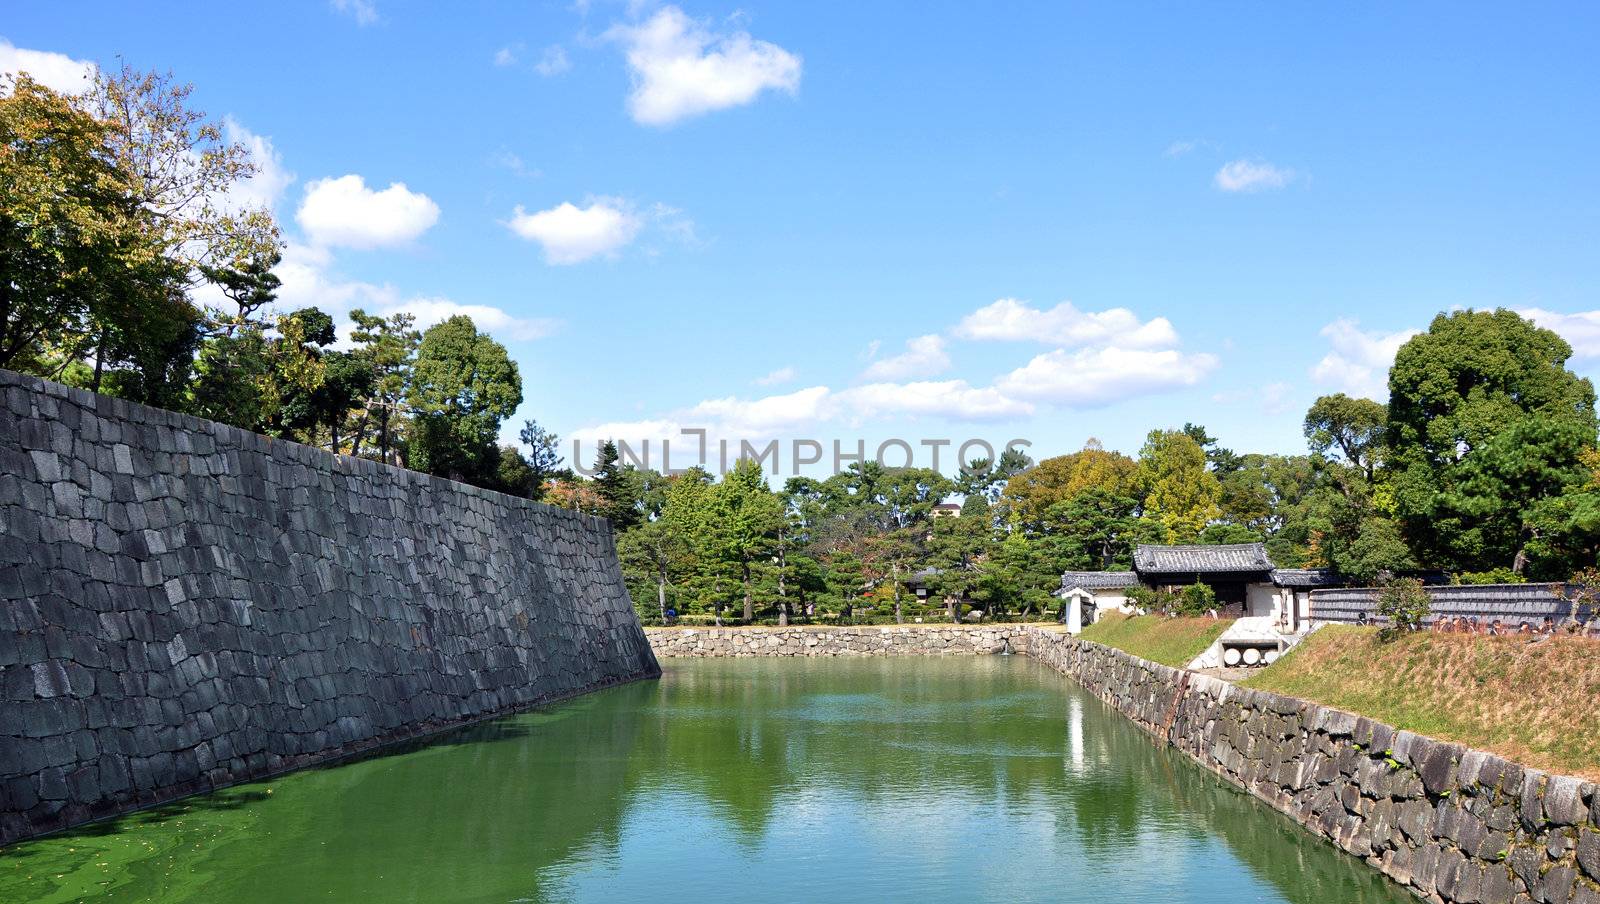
x=810, y=640
x=1454, y=825
x=184, y=605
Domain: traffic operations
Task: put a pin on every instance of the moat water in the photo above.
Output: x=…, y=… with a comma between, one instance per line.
x=919, y=780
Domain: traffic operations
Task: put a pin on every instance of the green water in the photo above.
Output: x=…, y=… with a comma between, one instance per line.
x=919, y=780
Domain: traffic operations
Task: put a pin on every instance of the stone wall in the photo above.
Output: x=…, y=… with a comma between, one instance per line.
x=1456, y=825
x=895, y=640
x=184, y=605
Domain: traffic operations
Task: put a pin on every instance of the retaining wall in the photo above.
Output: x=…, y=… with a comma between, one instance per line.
x=184, y=605
x=810, y=640
x=1454, y=824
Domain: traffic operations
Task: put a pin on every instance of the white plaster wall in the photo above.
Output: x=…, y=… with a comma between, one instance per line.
x=1260, y=600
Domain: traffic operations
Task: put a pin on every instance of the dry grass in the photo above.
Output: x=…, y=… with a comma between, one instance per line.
x=1169, y=641
x=1536, y=703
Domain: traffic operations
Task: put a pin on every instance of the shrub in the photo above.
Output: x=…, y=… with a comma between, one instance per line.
x=1195, y=599
x=1143, y=597
x=1405, y=603
x=1495, y=576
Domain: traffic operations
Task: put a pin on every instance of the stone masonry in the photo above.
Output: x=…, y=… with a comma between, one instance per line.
x=808, y=640
x=1453, y=824
x=184, y=605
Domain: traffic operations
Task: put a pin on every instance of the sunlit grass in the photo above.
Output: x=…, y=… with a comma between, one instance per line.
x=1533, y=702
x=1169, y=641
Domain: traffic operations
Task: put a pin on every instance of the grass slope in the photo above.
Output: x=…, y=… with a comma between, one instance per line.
x=1536, y=703
x=1169, y=641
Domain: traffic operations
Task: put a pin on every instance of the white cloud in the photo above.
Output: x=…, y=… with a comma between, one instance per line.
x=1581, y=329
x=1011, y=320
x=1252, y=176
x=344, y=212
x=1359, y=362
x=764, y=416
x=954, y=399
x=507, y=56
x=1093, y=377
x=1274, y=398
x=681, y=69
x=781, y=375
x=365, y=12
x=266, y=187
x=924, y=356
x=55, y=71
x=513, y=162
x=570, y=234
x=553, y=61
x=309, y=280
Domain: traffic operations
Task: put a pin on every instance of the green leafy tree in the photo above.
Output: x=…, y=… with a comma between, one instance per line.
x=388, y=346
x=82, y=272
x=957, y=550
x=1032, y=494
x=1352, y=428
x=845, y=580
x=748, y=518
x=1404, y=605
x=463, y=386
x=1473, y=378
x=615, y=486
x=652, y=554
x=1181, y=493
x=987, y=478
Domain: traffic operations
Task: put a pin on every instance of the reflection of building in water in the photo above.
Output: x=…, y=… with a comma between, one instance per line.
x=1075, y=734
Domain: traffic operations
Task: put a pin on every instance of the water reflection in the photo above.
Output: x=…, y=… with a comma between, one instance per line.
x=931, y=780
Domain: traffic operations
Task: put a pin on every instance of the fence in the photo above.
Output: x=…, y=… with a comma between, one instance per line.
x=1512, y=604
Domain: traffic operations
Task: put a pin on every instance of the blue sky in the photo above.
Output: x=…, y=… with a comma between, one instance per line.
x=738, y=217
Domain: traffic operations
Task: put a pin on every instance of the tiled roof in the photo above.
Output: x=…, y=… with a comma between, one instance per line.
x=1305, y=577
x=1098, y=580
x=1200, y=559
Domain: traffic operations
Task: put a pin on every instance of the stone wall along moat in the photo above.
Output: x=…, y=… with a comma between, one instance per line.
x=184, y=605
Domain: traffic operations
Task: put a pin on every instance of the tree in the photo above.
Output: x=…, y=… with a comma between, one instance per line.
x=74, y=242
x=512, y=475
x=1221, y=461
x=1353, y=427
x=1404, y=604
x=986, y=478
x=463, y=386
x=615, y=489
x=1032, y=493
x=1473, y=377
x=1180, y=493
x=956, y=550
x=1526, y=489
x=845, y=580
x=544, y=457
x=180, y=167
x=653, y=551
x=748, y=517
x=347, y=383
x=388, y=347
x=248, y=282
